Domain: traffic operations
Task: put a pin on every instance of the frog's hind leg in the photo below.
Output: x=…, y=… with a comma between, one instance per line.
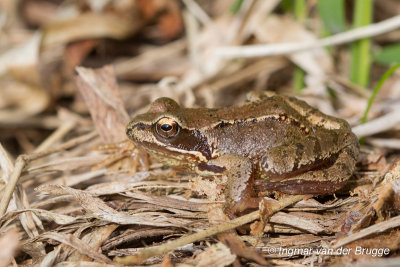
x=239, y=194
x=322, y=181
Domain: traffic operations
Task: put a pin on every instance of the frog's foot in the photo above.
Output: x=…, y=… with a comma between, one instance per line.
x=231, y=239
x=232, y=209
x=238, y=247
x=121, y=155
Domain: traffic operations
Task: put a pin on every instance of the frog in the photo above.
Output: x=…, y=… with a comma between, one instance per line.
x=270, y=144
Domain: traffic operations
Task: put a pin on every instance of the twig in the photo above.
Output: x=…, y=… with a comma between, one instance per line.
x=286, y=48
x=249, y=72
x=56, y=135
x=79, y=245
x=381, y=124
x=376, y=228
x=249, y=17
x=153, y=55
x=393, y=143
x=23, y=159
x=45, y=122
x=12, y=182
x=169, y=246
x=335, y=80
x=71, y=143
x=198, y=12
x=192, y=33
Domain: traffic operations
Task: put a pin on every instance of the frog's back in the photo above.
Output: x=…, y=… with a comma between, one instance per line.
x=254, y=128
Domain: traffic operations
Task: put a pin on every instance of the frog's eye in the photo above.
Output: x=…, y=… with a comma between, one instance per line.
x=167, y=127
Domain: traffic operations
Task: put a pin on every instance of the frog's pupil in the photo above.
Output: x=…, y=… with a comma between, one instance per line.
x=166, y=127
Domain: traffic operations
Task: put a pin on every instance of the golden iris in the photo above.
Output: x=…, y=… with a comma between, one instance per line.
x=167, y=127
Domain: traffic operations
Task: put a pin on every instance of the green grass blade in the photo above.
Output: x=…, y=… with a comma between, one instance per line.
x=300, y=9
x=388, y=54
x=332, y=15
x=287, y=5
x=235, y=6
x=298, y=80
x=361, y=57
x=377, y=88
x=300, y=12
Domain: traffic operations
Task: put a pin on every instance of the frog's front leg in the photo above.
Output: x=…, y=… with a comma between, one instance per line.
x=239, y=193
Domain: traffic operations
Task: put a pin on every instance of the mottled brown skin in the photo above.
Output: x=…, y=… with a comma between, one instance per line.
x=273, y=143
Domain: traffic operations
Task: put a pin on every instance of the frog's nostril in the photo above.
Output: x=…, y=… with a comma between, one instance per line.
x=140, y=126
x=133, y=129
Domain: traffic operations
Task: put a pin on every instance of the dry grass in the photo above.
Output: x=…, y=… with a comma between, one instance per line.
x=74, y=191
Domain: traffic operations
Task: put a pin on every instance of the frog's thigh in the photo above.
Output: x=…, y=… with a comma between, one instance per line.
x=289, y=156
x=325, y=180
x=280, y=160
x=339, y=171
x=238, y=171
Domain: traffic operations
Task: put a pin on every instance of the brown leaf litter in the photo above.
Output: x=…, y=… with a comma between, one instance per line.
x=78, y=193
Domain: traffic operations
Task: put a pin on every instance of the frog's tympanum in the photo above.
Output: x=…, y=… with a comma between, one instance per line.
x=270, y=144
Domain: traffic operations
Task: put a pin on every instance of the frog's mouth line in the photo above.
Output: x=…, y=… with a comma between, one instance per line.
x=172, y=157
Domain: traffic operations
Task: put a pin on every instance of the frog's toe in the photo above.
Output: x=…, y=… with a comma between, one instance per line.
x=239, y=207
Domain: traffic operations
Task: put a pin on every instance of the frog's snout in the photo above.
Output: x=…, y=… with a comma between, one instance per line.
x=132, y=131
x=136, y=131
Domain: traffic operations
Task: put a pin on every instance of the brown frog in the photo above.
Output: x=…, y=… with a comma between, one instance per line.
x=272, y=143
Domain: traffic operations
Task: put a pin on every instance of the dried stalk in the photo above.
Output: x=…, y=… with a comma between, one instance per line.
x=378, y=125
x=12, y=183
x=169, y=246
x=373, y=229
x=287, y=48
x=56, y=135
x=22, y=160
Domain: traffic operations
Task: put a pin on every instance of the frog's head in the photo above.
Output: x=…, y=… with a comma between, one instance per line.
x=164, y=132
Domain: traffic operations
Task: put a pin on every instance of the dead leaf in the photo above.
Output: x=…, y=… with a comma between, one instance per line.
x=79, y=245
x=100, y=90
x=100, y=210
x=217, y=255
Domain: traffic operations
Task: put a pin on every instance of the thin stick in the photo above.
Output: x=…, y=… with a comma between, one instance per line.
x=287, y=48
x=12, y=182
x=198, y=12
x=393, y=143
x=23, y=159
x=66, y=145
x=126, y=66
x=169, y=246
x=378, y=125
x=373, y=229
x=57, y=135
